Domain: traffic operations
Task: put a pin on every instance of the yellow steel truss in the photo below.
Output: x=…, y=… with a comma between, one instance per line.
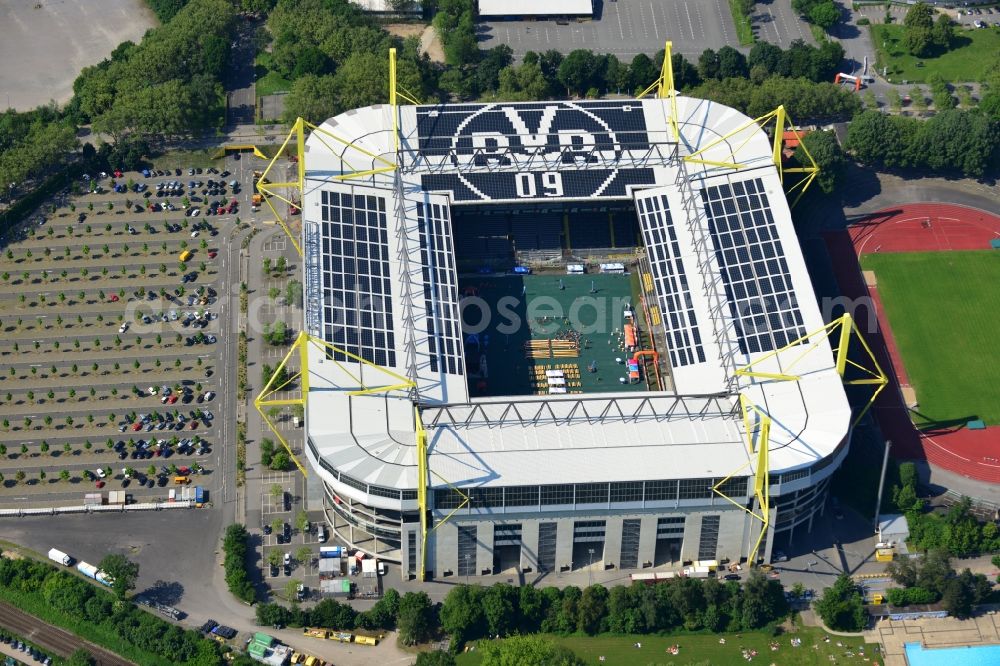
x=300, y=346
x=781, y=122
x=843, y=327
x=298, y=131
x=424, y=471
x=756, y=420
x=664, y=86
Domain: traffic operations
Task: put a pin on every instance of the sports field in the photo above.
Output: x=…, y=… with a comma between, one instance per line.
x=968, y=60
x=706, y=649
x=583, y=311
x=944, y=312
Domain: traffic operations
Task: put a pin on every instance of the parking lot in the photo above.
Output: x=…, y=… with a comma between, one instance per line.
x=776, y=22
x=111, y=312
x=625, y=28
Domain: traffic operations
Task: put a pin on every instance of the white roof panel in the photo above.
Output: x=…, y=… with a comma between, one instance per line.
x=618, y=149
x=533, y=8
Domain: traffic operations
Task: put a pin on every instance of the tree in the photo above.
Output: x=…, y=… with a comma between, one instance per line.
x=708, y=64
x=903, y=571
x=312, y=97
x=293, y=293
x=499, y=609
x=415, y=619
x=943, y=32
x=122, y=571
x=462, y=613
x=824, y=14
x=731, y=63
x=841, y=606
x=576, y=71
x=825, y=150
x=592, y=609
x=519, y=650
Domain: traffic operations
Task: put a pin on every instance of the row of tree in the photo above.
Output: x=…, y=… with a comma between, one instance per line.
x=412, y=615
x=965, y=142
x=956, y=531
x=234, y=548
x=167, y=85
x=931, y=579
x=31, y=143
x=470, y=612
x=75, y=602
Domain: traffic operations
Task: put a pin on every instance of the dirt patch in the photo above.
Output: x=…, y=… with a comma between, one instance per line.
x=12, y=555
x=404, y=30
x=431, y=45
x=46, y=44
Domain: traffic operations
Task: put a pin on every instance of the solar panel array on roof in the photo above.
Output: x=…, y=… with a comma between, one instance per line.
x=440, y=289
x=516, y=141
x=357, y=294
x=679, y=322
x=752, y=261
x=499, y=186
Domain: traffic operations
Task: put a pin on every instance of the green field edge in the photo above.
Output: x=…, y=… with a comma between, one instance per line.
x=744, y=29
x=955, y=378
x=705, y=648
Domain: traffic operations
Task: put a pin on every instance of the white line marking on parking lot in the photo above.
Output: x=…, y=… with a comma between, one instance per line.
x=721, y=12
x=618, y=15
x=687, y=9
x=656, y=28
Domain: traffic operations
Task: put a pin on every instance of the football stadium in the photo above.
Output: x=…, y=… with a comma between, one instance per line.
x=563, y=335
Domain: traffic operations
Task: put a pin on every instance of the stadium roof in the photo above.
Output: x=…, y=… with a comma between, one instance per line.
x=725, y=259
x=534, y=8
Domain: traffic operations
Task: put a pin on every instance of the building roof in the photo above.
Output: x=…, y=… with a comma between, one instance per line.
x=894, y=524
x=532, y=8
x=727, y=232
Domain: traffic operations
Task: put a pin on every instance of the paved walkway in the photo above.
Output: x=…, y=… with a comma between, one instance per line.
x=933, y=633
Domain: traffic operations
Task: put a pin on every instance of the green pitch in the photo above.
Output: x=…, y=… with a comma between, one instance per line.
x=620, y=650
x=944, y=310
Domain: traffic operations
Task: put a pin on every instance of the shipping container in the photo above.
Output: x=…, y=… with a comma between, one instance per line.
x=88, y=570
x=331, y=551
x=58, y=556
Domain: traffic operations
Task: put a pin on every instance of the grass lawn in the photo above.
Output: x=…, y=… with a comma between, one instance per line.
x=944, y=310
x=972, y=55
x=744, y=30
x=706, y=649
x=268, y=80
x=185, y=159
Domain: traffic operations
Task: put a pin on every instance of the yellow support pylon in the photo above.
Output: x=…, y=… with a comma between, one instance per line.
x=843, y=327
x=300, y=347
x=664, y=87
x=758, y=448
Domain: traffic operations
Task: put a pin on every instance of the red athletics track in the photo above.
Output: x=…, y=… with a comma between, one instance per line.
x=925, y=227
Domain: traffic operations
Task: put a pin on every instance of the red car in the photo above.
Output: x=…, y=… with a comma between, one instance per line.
x=212, y=254
x=172, y=399
x=136, y=427
x=194, y=425
x=183, y=471
x=113, y=298
x=99, y=484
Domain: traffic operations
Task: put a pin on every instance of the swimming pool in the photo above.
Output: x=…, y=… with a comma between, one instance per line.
x=976, y=655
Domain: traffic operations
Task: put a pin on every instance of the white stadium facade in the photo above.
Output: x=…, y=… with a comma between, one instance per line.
x=419, y=471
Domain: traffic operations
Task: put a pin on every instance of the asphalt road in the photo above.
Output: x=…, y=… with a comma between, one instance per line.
x=52, y=638
x=240, y=83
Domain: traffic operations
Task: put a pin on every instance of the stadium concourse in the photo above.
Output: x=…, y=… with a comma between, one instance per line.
x=922, y=227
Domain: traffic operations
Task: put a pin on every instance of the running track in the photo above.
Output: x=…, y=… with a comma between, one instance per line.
x=925, y=227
